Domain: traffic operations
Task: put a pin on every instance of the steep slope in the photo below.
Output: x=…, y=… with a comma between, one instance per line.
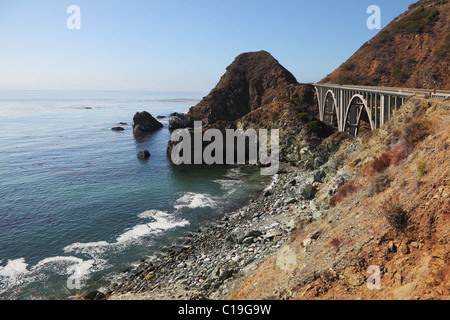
x=390, y=211
x=412, y=51
x=252, y=80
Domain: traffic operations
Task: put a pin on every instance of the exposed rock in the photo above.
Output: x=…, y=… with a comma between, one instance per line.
x=180, y=121
x=287, y=258
x=290, y=201
x=143, y=154
x=252, y=80
x=238, y=236
x=144, y=123
x=94, y=295
x=117, y=129
x=306, y=191
x=267, y=193
x=404, y=249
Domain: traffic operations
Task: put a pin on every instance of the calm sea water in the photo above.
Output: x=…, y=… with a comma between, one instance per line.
x=76, y=203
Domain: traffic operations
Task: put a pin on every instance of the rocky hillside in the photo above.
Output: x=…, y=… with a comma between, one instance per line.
x=412, y=51
x=258, y=92
x=383, y=200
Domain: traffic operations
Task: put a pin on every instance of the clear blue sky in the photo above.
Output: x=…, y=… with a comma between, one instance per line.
x=180, y=45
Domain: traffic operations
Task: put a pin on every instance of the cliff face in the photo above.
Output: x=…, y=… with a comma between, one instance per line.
x=412, y=51
x=251, y=81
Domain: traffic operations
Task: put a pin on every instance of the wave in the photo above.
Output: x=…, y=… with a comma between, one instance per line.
x=273, y=183
x=235, y=173
x=162, y=221
x=17, y=273
x=228, y=185
x=195, y=200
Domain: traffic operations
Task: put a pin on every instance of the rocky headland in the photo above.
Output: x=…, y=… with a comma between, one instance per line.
x=257, y=92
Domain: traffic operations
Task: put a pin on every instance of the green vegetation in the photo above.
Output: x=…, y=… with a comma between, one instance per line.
x=315, y=126
x=421, y=166
x=421, y=20
x=303, y=116
x=385, y=37
x=400, y=75
x=444, y=49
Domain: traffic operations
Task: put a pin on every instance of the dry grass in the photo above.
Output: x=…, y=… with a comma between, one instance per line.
x=394, y=213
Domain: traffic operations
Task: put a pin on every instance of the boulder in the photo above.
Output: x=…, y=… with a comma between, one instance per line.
x=144, y=123
x=306, y=191
x=238, y=236
x=290, y=201
x=180, y=121
x=94, y=295
x=143, y=154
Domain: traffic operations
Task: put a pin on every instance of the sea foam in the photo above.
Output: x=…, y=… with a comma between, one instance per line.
x=194, y=200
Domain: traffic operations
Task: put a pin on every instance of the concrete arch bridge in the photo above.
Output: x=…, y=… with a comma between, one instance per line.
x=355, y=108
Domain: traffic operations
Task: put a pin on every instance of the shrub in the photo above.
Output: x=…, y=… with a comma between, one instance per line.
x=343, y=192
x=400, y=75
x=421, y=166
x=335, y=242
x=443, y=50
x=303, y=116
x=416, y=131
x=397, y=154
x=394, y=213
x=433, y=13
x=380, y=183
x=417, y=22
x=385, y=37
x=314, y=126
x=381, y=163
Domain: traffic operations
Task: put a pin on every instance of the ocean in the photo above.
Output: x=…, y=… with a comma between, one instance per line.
x=77, y=206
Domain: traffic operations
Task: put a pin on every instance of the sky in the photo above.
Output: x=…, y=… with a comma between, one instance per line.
x=175, y=45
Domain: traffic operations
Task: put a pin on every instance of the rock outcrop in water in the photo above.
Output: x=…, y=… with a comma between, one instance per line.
x=143, y=155
x=180, y=121
x=144, y=123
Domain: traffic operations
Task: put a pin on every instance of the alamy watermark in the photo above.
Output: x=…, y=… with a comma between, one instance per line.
x=73, y=22
x=74, y=281
x=374, y=280
x=240, y=147
x=374, y=21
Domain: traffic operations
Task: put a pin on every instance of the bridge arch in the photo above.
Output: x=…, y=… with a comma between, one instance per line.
x=330, y=109
x=357, y=110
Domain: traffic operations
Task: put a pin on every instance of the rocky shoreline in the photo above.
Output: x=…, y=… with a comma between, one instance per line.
x=201, y=265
